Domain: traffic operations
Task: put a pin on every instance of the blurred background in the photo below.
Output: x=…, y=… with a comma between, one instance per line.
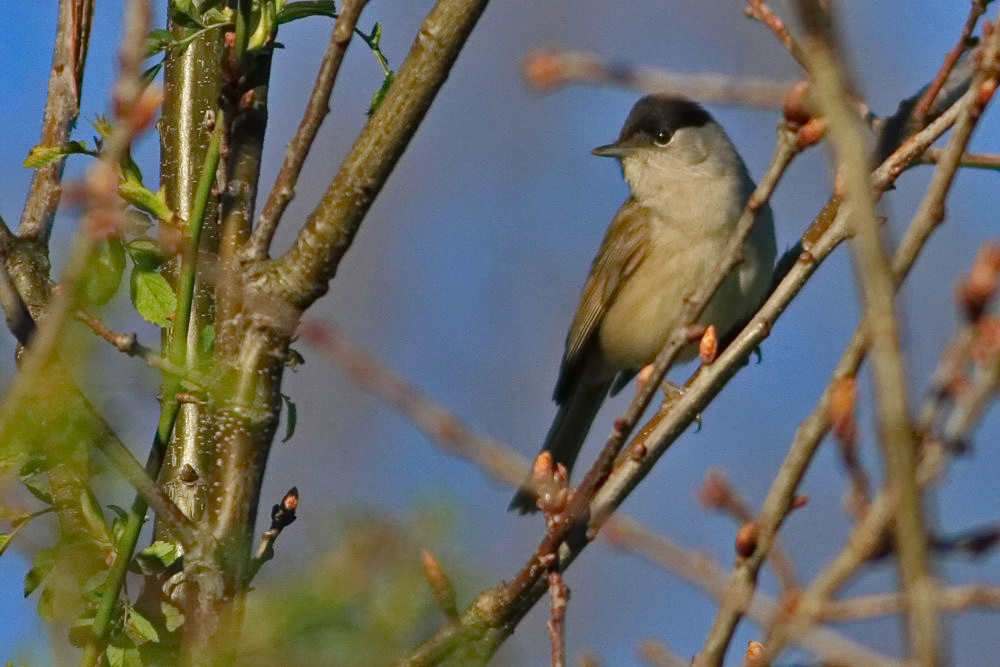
x=464, y=278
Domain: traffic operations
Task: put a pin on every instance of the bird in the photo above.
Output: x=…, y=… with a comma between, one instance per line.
x=688, y=187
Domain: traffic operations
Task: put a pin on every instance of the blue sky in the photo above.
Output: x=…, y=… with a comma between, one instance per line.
x=467, y=269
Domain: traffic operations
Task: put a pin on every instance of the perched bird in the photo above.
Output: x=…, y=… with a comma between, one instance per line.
x=688, y=187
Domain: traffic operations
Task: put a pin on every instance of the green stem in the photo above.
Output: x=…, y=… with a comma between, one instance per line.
x=168, y=413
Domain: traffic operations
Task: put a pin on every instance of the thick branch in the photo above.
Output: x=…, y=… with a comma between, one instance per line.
x=301, y=275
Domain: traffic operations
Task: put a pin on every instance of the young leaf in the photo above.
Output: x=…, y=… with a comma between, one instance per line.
x=144, y=199
x=144, y=253
x=156, y=558
x=298, y=10
x=42, y=156
x=104, y=274
x=185, y=13
x=34, y=486
x=44, y=561
x=152, y=297
x=173, y=618
x=139, y=629
x=157, y=41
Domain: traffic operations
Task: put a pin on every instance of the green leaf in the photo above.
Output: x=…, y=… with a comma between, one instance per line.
x=379, y=95
x=144, y=199
x=299, y=10
x=5, y=539
x=145, y=254
x=80, y=631
x=291, y=418
x=185, y=13
x=156, y=558
x=123, y=656
x=44, y=561
x=139, y=629
x=158, y=41
x=42, y=156
x=294, y=359
x=173, y=618
x=34, y=466
x=150, y=74
x=34, y=486
x=104, y=274
x=152, y=297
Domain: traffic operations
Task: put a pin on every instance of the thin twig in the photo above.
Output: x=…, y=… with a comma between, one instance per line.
x=964, y=115
x=547, y=69
x=317, y=108
x=301, y=275
x=976, y=9
x=558, y=599
x=701, y=571
x=441, y=426
x=759, y=9
x=872, y=268
x=973, y=160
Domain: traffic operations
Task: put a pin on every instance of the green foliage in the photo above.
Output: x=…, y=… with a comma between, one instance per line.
x=364, y=602
x=156, y=558
x=104, y=274
x=152, y=296
x=42, y=156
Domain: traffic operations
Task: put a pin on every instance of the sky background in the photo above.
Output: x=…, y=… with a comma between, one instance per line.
x=467, y=270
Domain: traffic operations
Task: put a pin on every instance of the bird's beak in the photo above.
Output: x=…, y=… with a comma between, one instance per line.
x=618, y=149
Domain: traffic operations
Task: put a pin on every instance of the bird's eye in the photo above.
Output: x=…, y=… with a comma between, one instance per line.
x=662, y=137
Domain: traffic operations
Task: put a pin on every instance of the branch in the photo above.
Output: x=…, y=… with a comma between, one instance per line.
x=301, y=275
x=61, y=111
x=964, y=114
x=876, y=283
x=704, y=573
x=317, y=108
x=494, y=614
x=548, y=69
x=441, y=426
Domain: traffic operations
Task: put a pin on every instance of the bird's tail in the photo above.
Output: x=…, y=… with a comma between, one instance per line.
x=566, y=436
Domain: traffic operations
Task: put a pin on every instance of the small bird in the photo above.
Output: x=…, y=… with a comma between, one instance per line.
x=688, y=187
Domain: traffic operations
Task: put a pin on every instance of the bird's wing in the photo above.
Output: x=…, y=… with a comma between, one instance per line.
x=621, y=253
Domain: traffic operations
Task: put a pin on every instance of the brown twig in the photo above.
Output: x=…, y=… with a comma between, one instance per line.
x=558, y=599
x=974, y=160
x=317, y=108
x=301, y=275
x=441, y=426
x=759, y=9
x=62, y=108
x=547, y=69
x=701, y=571
x=976, y=9
x=964, y=115
x=874, y=273
x=717, y=493
x=953, y=599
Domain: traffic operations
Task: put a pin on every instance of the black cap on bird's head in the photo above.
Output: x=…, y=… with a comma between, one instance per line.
x=652, y=122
